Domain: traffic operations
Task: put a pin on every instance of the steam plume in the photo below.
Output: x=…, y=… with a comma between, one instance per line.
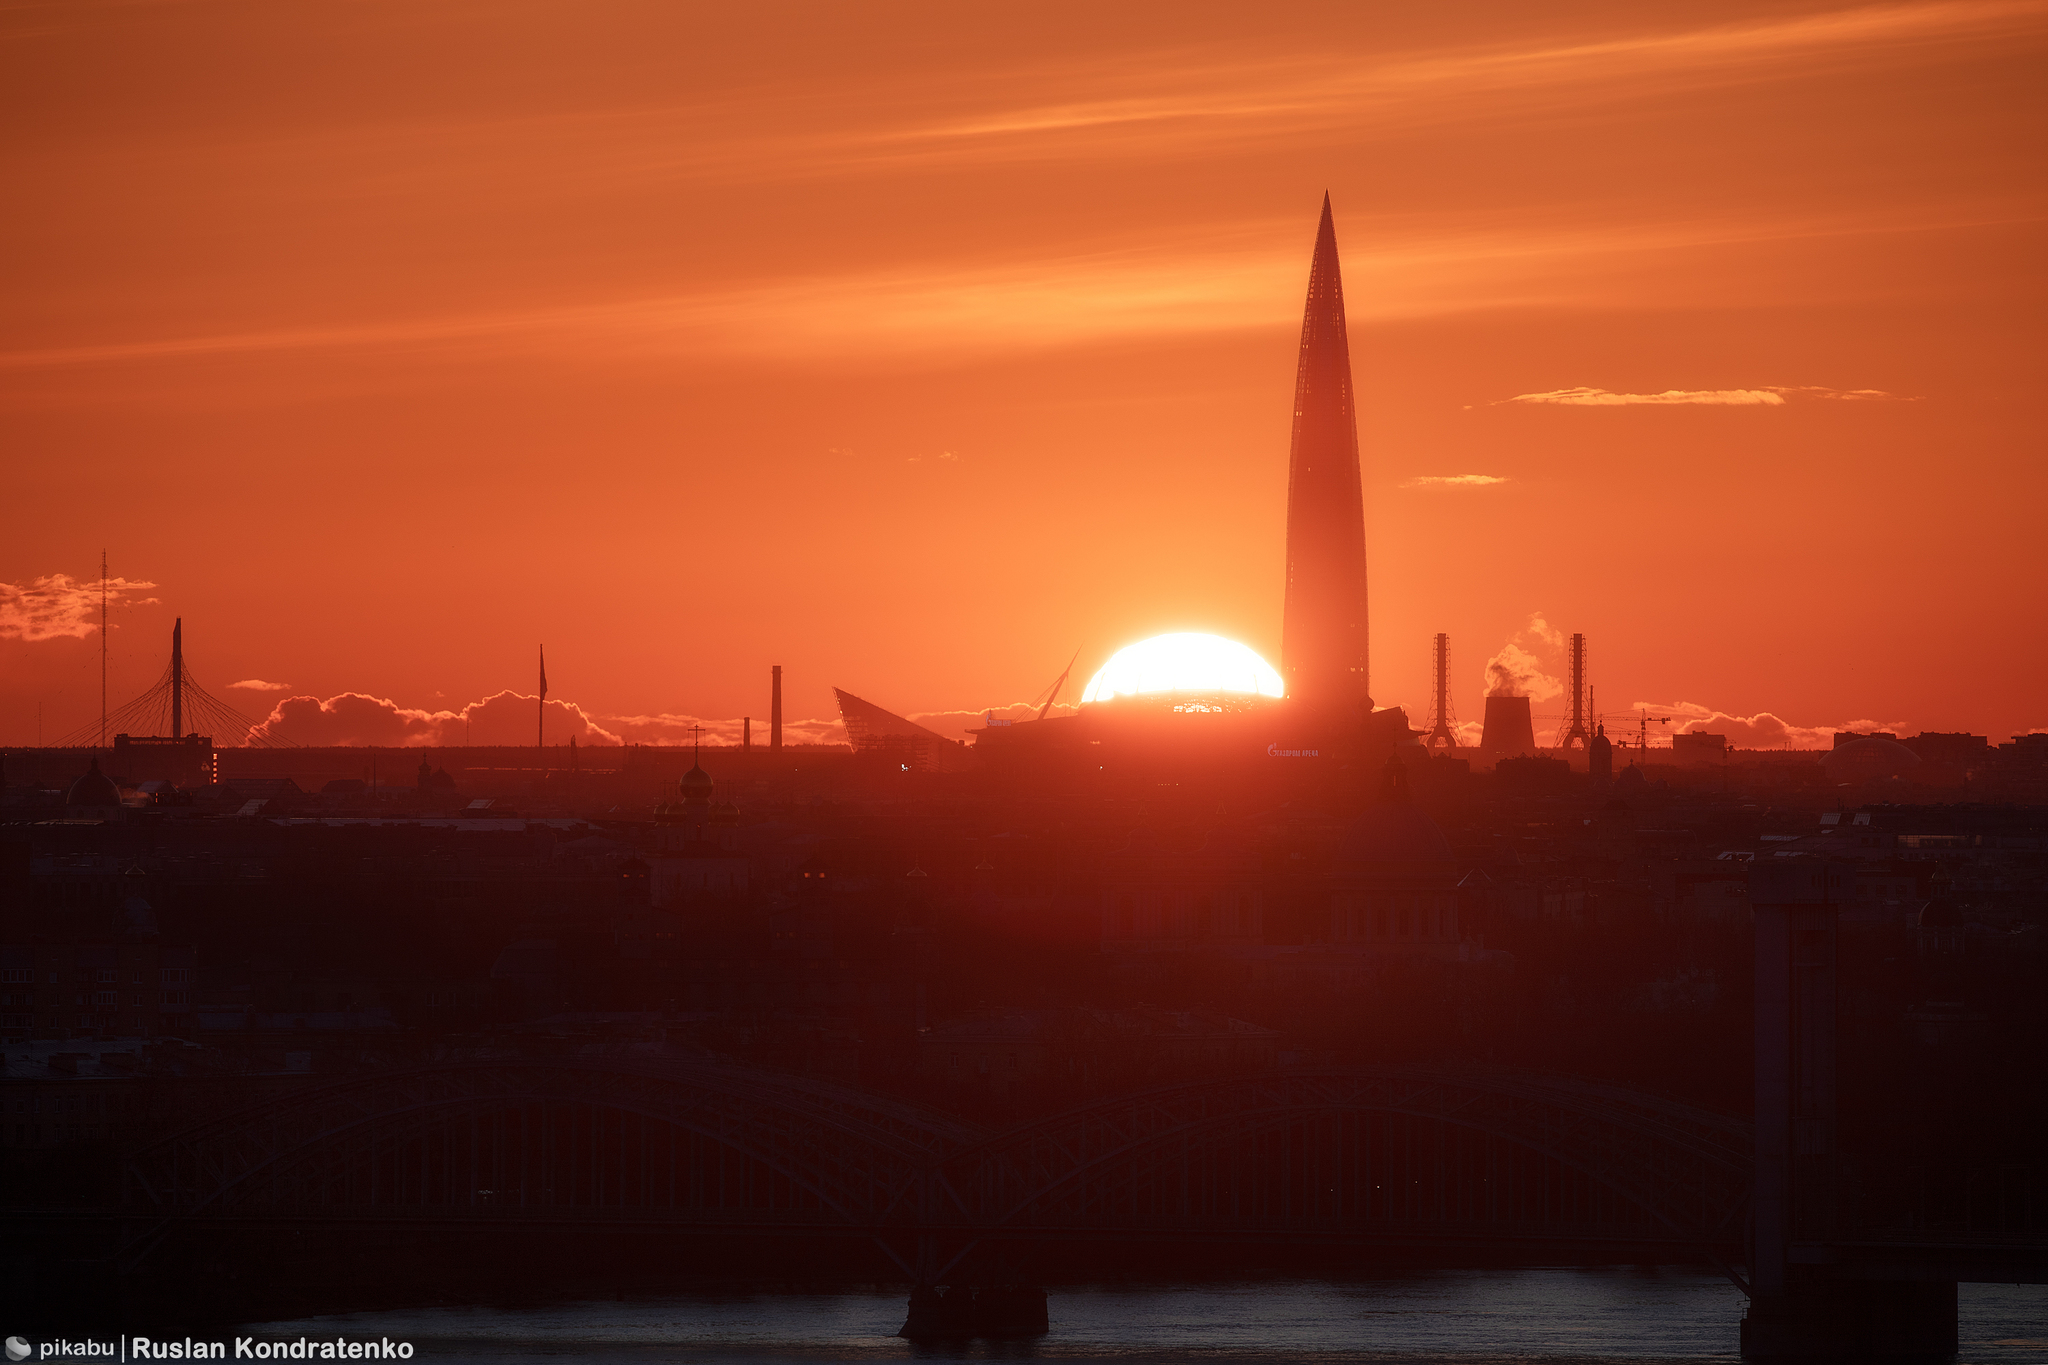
x=1518, y=670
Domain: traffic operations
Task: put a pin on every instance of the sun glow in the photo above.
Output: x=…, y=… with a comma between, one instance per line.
x=1186, y=662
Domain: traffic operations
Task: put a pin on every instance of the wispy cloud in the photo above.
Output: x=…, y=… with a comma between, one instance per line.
x=1237, y=276
x=1246, y=276
x=1771, y=396
x=357, y=718
x=58, y=606
x=507, y=718
x=1020, y=304
x=1763, y=730
x=1455, y=481
x=258, y=685
x=1603, y=398
x=1186, y=100
x=1847, y=395
x=673, y=728
x=961, y=724
x=1195, y=101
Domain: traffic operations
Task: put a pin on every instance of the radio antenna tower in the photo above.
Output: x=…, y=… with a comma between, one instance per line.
x=1443, y=734
x=1577, y=735
x=103, y=649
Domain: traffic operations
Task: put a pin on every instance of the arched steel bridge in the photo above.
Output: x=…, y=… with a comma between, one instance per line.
x=1356, y=1154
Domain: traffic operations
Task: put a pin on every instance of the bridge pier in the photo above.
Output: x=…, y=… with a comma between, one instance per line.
x=1890, y=1321
x=1804, y=1312
x=937, y=1315
x=1000, y=1307
x=961, y=1311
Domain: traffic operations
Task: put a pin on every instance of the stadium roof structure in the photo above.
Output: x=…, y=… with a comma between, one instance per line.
x=872, y=730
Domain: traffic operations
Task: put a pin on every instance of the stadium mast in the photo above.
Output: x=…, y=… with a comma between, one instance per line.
x=1059, y=685
x=178, y=678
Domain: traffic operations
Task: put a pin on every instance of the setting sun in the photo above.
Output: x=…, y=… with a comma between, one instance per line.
x=1184, y=662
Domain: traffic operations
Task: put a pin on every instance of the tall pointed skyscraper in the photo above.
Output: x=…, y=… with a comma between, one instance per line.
x=1323, y=634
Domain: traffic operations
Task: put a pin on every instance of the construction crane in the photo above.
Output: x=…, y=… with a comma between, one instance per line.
x=1643, y=732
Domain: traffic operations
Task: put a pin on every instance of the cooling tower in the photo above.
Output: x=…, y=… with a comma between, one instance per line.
x=1508, y=731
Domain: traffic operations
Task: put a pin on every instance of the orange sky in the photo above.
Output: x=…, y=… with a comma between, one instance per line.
x=913, y=347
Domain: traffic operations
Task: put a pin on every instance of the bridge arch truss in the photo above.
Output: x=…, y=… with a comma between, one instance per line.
x=705, y=1142
x=1345, y=1152
x=1351, y=1154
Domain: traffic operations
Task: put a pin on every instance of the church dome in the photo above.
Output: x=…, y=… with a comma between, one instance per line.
x=695, y=786
x=1394, y=833
x=94, y=788
x=1939, y=914
x=1862, y=759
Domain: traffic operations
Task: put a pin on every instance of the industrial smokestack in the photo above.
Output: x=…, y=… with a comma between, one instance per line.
x=1508, y=730
x=775, y=711
x=178, y=678
x=746, y=734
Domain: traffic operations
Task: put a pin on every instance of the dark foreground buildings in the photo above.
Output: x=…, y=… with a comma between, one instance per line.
x=583, y=972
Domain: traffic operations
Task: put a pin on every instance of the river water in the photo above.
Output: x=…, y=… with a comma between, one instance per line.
x=1470, y=1317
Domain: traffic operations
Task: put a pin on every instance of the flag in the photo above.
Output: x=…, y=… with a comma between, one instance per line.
x=543, y=672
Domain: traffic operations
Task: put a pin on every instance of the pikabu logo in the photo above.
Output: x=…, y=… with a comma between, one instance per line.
x=68, y=1350
x=18, y=1349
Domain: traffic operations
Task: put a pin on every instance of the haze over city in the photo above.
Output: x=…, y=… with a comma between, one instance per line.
x=382, y=345
x=1297, y=683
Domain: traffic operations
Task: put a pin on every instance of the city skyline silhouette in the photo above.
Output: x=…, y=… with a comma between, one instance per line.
x=1037, y=324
